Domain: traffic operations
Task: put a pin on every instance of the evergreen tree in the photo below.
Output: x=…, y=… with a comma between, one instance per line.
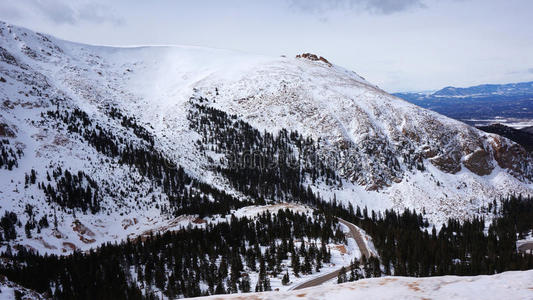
x=341, y=277
x=285, y=280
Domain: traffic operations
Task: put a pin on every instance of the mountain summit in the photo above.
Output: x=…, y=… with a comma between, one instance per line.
x=110, y=142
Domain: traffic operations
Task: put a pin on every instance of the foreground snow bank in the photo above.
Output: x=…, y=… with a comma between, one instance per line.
x=508, y=285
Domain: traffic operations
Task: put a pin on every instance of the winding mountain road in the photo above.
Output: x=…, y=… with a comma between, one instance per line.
x=353, y=233
x=356, y=235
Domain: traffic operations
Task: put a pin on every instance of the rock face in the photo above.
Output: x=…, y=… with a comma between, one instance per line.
x=314, y=57
x=479, y=162
x=390, y=154
x=513, y=158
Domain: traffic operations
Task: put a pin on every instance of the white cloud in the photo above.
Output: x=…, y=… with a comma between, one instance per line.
x=373, y=6
x=60, y=11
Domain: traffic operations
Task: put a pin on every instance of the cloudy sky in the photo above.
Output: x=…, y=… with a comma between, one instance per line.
x=401, y=45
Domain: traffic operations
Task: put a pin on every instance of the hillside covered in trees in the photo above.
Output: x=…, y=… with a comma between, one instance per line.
x=219, y=258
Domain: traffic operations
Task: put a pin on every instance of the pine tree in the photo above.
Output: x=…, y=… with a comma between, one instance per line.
x=341, y=277
x=295, y=263
x=245, y=284
x=285, y=280
x=266, y=284
x=220, y=289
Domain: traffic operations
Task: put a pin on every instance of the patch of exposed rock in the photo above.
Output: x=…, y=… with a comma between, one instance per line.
x=314, y=57
x=479, y=162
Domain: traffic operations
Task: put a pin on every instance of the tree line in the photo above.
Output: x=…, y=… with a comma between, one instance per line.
x=217, y=259
x=186, y=195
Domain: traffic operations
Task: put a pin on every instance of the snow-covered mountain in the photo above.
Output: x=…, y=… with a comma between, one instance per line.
x=129, y=126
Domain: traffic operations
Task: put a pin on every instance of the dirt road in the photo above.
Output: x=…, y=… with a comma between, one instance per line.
x=353, y=233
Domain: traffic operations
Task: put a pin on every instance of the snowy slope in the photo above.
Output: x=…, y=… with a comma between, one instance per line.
x=8, y=290
x=508, y=285
x=391, y=154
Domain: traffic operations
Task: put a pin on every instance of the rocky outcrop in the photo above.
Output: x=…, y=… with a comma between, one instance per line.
x=446, y=164
x=314, y=57
x=479, y=162
x=513, y=157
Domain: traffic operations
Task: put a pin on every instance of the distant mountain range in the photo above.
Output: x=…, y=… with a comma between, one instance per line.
x=481, y=104
x=520, y=89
